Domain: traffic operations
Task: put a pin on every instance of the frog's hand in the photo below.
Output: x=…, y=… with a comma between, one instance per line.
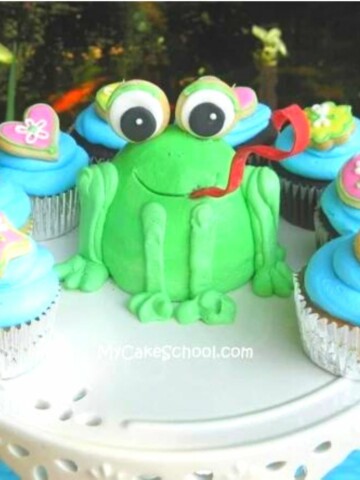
x=77, y=273
x=86, y=271
x=261, y=188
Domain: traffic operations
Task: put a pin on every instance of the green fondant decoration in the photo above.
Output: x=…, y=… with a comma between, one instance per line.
x=262, y=191
x=154, y=221
x=86, y=271
x=140, y=226
x=329, y=121
x=201, y=248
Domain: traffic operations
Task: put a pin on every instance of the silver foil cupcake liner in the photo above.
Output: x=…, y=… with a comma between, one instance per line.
x=298, y=203
x=331, y=346
x=23, y=346
x=56, y=215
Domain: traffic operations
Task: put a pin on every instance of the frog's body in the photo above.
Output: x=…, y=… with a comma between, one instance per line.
x=140, y=225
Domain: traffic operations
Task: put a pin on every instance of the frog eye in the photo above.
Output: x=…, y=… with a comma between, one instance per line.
x=207, y=108
x=138, y=110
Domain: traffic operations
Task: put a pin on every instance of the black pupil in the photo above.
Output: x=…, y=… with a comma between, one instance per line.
x=206, y=119
x=138, y=124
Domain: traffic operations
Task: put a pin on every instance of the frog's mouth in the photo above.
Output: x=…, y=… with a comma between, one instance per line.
x=156, y=192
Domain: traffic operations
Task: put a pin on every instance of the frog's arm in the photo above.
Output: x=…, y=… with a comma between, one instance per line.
x=261, y=188
x=96, y=188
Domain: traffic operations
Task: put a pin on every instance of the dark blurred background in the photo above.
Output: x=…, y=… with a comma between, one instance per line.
x=66, y=50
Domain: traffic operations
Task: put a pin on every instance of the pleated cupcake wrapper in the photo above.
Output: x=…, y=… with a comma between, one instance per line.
x=23, y=346
x=322, y=236
x=298, y=203
x=257, y=161
x=333, y=347
x=56, y=215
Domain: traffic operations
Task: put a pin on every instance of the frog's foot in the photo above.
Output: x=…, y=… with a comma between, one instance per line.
x=78, y=273
x=212, y=307
x=151, y=307
x=273, y=280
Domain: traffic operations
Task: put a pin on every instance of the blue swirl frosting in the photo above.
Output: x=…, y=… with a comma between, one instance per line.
x=318, y=164
x=332, y=280
x=43, y=178
x=349, y=469
x=344, y=218
x=96, y=130
x=28, y=287
x=249, y=127
x=14, y=203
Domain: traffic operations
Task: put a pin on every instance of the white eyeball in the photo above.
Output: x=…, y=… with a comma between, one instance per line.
x=137, y=114
x=207, y=108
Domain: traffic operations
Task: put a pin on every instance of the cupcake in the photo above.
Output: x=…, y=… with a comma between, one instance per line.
x=338, y=212
x=29, y=290
x=92, y=131
x=334, y=138
x=16, y=205
x=327, y=297
x=45, y=162
x=254, y=127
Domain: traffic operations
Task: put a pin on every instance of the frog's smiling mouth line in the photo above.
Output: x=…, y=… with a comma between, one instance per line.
x=156, y=192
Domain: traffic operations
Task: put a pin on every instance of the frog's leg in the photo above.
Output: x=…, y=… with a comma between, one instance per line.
x=261, y=188
x=205, y=304
x=154, y=303
x=86, y=271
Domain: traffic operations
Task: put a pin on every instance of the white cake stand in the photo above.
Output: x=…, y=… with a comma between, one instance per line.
x=88, y=413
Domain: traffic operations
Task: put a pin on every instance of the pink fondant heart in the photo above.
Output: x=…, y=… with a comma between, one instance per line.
x=247, y=100
x=348, y=182
x=36, y=137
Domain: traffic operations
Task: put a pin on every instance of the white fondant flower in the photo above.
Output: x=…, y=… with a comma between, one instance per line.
x=32, y=130
x=322, y=111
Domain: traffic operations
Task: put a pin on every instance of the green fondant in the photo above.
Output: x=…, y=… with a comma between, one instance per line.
x=87, y=271
x=330, y=122
x=134, y=86
x=201, y=248
x=162, y=246
x=262, y=191
x=205, y=83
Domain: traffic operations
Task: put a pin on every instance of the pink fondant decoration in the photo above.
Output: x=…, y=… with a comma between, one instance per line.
x=350, y=178
x=247, y=98
x=13, y=243
x=37, y=136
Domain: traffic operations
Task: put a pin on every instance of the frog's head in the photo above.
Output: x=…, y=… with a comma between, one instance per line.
x=189, y=155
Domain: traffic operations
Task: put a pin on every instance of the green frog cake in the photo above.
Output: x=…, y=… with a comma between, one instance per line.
x=163, y=219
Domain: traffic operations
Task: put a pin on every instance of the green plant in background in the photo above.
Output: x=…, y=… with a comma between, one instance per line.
x=9, y=58
x=266, y=59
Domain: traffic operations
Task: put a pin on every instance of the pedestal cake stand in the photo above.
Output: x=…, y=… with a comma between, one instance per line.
x=243, y=402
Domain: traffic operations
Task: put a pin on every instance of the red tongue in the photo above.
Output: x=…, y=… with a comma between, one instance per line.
x=297, y=119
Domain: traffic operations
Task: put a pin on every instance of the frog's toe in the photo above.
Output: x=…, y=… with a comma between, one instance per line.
x=211, y=307
x=262, y=283
x=276, y=280
x=216, y=308
x=188, y=311
x=93, y=277
x=282, y=280
x=151, y=307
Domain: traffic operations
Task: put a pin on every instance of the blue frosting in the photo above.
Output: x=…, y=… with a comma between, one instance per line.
x=318, y=164
x=248, y=127
x=332, y=280
x=92, y=127
x=6, y=473
x=43, y=178
x=344, y=218
x=14, y=203
x=349, y=469
x=28, y=287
